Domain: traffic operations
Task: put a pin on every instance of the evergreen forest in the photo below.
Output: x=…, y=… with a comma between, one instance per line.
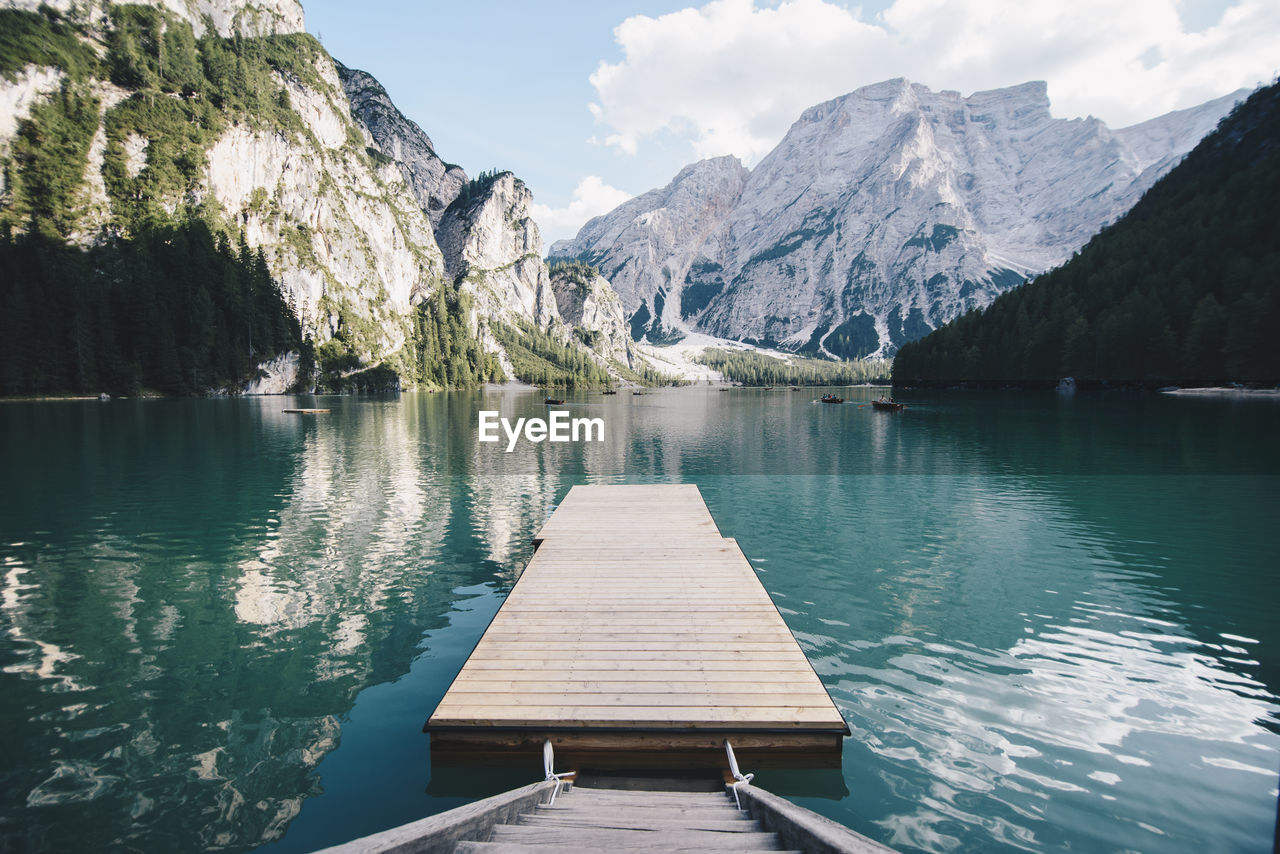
x=542, y=359
x=176, y=310
x=752, y=368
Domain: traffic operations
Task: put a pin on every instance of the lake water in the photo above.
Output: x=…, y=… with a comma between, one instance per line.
x=1050, y=622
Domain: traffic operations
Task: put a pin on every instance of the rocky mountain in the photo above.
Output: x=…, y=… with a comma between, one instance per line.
x=650, y=242
x=880, y=215
x=1183, y=289
x=256, y=135
x=434, y=182
x=247, y=18
x=225, y=117
x=494, y=250
x=492, y=247
x=589, y=305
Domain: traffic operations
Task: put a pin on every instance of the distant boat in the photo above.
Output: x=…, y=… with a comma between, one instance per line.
x=888, y=405
x=609, y=391
x=551, y=401
x=831, y=398
x=305, y=411
x=637, y=393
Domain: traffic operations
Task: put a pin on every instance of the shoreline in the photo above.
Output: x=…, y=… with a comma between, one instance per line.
x=1223, y=391
x=518, y=387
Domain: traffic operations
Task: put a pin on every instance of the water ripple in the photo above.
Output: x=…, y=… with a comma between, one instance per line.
x=1013, y=681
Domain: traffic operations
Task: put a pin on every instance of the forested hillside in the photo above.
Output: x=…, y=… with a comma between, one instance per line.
x=1185, y=288
x=748, y=367
x=127, y=262
x=176, y=310
x=163, y=300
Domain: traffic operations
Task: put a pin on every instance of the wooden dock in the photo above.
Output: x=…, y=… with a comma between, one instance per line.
x=638, y=630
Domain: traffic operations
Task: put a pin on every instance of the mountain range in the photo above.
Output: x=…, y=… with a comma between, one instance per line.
x=880, y=215
x=159, y=137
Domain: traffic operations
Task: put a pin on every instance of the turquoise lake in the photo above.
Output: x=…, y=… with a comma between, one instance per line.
x=1051, y=623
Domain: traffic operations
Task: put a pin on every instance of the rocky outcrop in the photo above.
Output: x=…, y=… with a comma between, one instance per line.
x=493, y=250
x=276, y=376
x=340, y=227
x=884, y=213
x=342, y=232
x=646, y=247
x=435, y=183
x=17, y=96
x=245, y=17
x=1159, y=144
x=229, y=17
x=590, y=306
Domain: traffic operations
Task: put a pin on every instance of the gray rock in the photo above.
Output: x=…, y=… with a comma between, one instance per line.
x=881, y=214
x=434, y=182
x=594, y=310
x=229, y=17
x=493, y=250
x=646, y=247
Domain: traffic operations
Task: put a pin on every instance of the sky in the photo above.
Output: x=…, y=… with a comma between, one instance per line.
x=591, y=103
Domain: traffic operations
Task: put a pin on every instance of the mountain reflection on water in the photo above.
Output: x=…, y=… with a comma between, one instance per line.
x=1049, y=622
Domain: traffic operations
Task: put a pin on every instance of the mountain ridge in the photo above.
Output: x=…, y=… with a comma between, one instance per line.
x=882, y=213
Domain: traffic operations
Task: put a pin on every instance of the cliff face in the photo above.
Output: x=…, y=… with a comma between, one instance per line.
x=272, y=142
x=342, y=231
x=340, y=228
x=493, y=250
x=646, y=247
x=229, y=17
x=589, y=305
x=880, y=215
x=435, y=183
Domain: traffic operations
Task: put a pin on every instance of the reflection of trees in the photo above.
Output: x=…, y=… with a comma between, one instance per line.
x=215, y=584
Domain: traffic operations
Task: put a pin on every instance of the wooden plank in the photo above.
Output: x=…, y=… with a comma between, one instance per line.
x=626, y=681
x=657, y=717
x=711, y=671
x=656, y=637
x=708, y=743
x=520, y=703
x=741, y=658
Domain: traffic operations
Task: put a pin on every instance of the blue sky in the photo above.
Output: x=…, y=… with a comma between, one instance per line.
x=591, y=102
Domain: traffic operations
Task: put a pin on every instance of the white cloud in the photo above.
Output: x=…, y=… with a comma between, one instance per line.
x=591, y=197
x=731, y=77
